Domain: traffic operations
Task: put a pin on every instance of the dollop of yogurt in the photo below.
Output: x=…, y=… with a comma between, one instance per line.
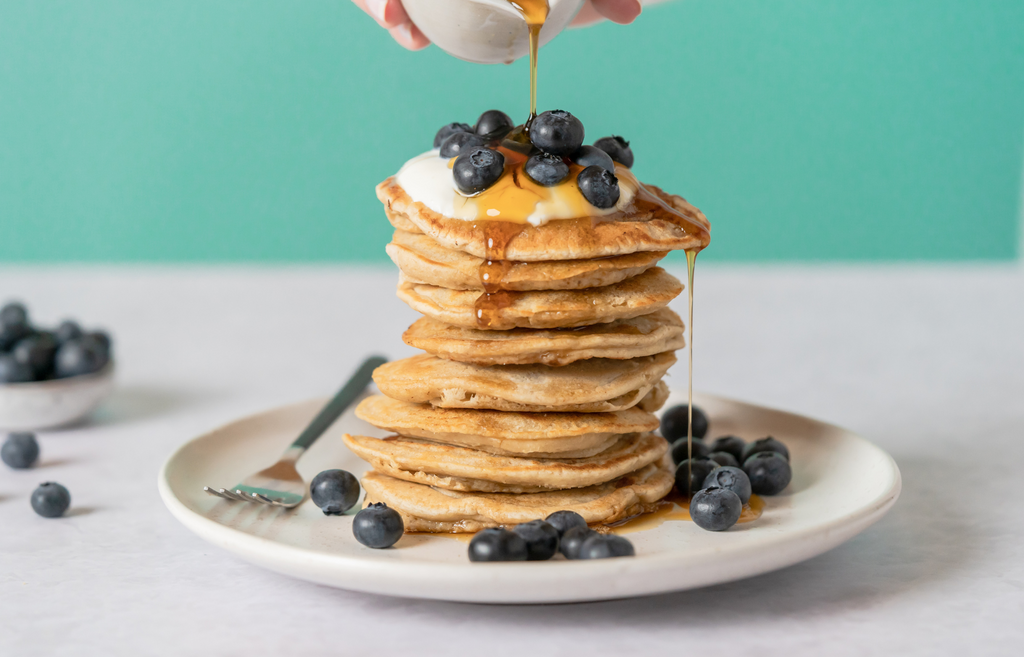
x=428, y=179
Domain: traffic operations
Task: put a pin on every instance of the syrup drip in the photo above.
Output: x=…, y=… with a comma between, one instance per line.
x=497, y=235
x=535, y=12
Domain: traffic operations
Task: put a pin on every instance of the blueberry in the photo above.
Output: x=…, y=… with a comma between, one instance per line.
x=377, y=526
x=68, y=330
x=724, y=459
x=563, y=521
x=618, y=148
x=557, y=132
x=573, y=540
x=20, y=450
x=10, y=334
x=732, y=478
x=478, y=169
x=14, y=314
x=680, y=452
x=448, y=130
x=599, y=186
x=461, y=142
x=541, y=539
x=78, y=356
x=588, y=156
x=697, y=470
x=767, y=444
x=12, y=371
x=102, y=342
x=673, y=423
x=334, y=491
x=546, y=169
x=494, y=124
x=715, y=509
x=36, y=351
x=51, y=500
x=730, y=444
x=769, y=472
x=497, y=544
x=605, y=546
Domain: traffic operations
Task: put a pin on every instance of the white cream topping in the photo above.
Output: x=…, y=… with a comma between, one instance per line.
x=428, y=179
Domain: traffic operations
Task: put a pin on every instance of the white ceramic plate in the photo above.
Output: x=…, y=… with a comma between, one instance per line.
x=841, y=485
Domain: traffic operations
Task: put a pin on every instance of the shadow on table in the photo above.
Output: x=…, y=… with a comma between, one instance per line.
x=922, y=539
x=131, y=403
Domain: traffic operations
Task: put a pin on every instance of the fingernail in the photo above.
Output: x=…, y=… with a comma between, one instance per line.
x=377, y=8
x=403, y=34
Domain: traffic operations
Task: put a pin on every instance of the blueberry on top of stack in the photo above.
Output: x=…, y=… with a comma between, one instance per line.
x=30, y=353
x=551, y=142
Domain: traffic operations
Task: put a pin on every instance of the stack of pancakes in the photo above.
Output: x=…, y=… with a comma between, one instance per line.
x=545, y=351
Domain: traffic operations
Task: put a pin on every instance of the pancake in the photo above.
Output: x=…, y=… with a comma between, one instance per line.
x=463, y=469
x=640, y=295
x=650, y=334
x=646, y=227
x=531, y=434
x=587, y=386
x=428, y=509
x=422, y=260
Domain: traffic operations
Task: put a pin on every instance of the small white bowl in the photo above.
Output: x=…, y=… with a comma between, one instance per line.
x=54, y=403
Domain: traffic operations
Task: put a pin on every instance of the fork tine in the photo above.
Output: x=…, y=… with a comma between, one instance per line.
x=234, y=495
x=213, y=492
x=264, y=499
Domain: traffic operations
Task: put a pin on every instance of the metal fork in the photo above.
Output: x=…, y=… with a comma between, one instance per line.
x=280, y=484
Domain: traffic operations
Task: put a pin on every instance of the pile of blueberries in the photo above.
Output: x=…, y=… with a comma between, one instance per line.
x=378, y=526
x=552, y=140
x=721, y=477
x=539, y=540
x=29, y=353
x=21, y=451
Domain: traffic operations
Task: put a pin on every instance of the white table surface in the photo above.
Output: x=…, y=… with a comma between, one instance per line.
x=926, y=361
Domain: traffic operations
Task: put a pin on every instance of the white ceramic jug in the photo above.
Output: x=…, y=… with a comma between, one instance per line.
x=485, y=31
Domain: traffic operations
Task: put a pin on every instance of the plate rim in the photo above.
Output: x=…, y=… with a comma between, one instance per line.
x=379, y=576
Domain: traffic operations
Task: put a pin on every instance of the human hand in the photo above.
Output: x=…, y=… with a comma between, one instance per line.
x=390, y=15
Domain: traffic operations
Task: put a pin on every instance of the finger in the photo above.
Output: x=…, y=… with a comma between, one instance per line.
x=618, y=11
x=387, y=13
x=409, y=36
x=588, y=15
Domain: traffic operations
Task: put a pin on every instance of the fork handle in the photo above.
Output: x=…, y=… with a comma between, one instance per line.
x=348, y=394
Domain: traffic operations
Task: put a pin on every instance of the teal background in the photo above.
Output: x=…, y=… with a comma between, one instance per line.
x=255, y=130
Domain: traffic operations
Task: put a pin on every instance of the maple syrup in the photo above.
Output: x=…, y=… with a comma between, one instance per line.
x=677, y=507
x=534, y=12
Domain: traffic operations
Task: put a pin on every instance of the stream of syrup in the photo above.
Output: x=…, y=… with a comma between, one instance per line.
x=534, y=12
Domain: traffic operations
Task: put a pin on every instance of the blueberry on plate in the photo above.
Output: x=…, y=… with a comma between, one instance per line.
x=378, y=526
x=334, y=491
x=36, y=351
x=12, y=371
x=769, y=472
x=767, y=444
x=724, y=459
x=618, y=148
x=557, y=132
x=730, y=444
x=497, y=544
x=20, y=450
x=541, y=539
x=680, y=451
x=588, y=156
x=447, y=131
x=79, y=356
x=10, y=334
x=715, y=509
x=478, y=169
x=691, y=473
x=563, y=521
x=599, y=186
x=573, y=540
x=731, y=478
x=606, y=546
x=494, y=124
x=68, y=330
x=673, y=423
x=546, y=169
x=461, y=142
x=51, y=500
x=101, y=341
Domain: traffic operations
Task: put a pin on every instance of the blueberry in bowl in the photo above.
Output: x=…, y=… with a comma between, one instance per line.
x=50, y=378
